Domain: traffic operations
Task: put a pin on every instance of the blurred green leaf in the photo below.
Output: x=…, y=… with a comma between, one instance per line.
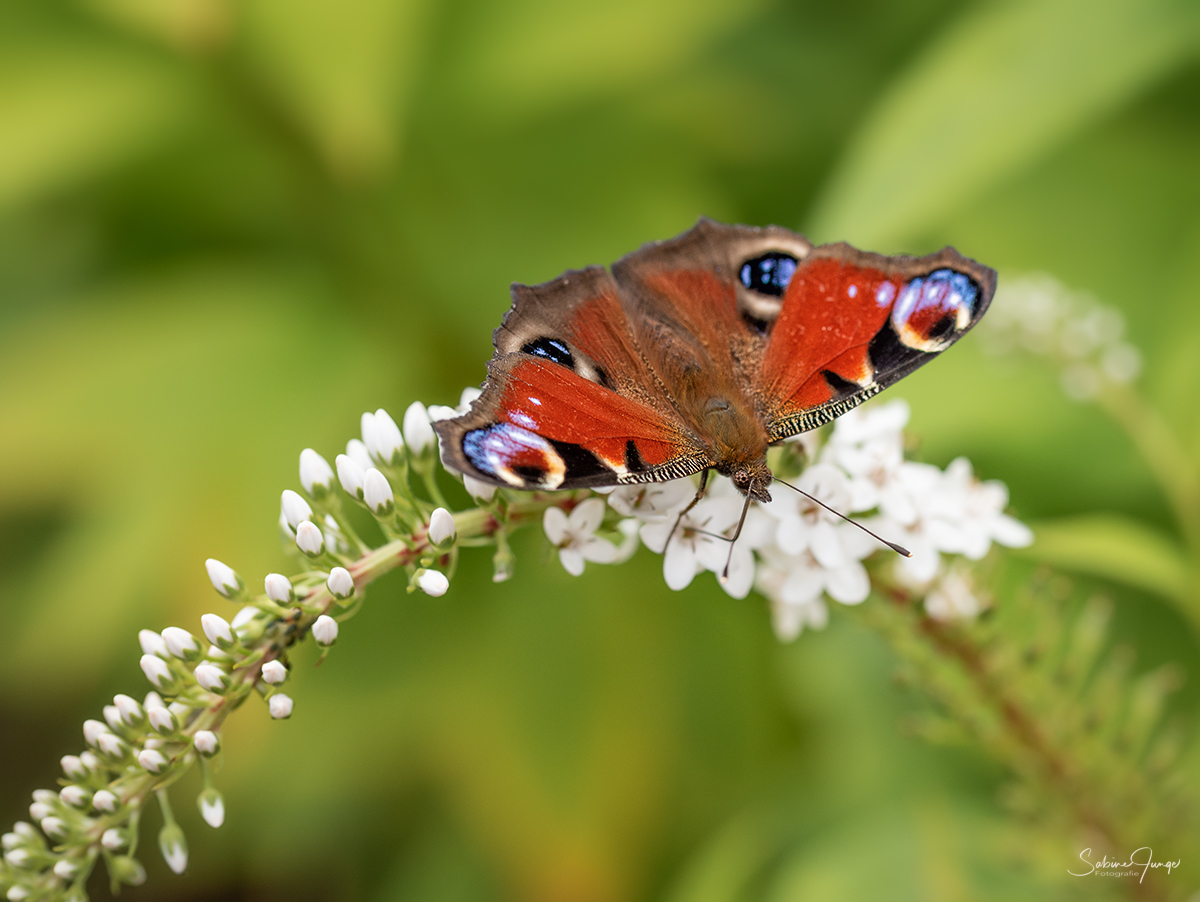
x=995, y=91
x=1113, y=547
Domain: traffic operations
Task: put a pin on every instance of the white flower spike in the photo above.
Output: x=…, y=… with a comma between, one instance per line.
x=340, y=583
x=441, y=527
x=280, y=706
x=325, y=630
x=433, y=582
x=315, y=474
x=223, y=578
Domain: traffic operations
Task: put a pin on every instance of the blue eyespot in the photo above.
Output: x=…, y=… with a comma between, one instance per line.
x=769, y=274
x=932, y=310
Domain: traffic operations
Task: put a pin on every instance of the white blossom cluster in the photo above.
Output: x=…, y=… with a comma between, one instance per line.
x=1039, y=315
x=796, y=552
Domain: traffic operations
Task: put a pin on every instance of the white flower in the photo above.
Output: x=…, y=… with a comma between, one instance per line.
x=433, y=582
x=377, y=492
x=351, y=475
x=162, y=720
x=295, y=509
x=953, y=597
x=111, y=745
x=217, y=630
x=279, y=589
x=206, y=742
x=340, y=582
x=976, y=510
x=807, y=526
x=309, y=539
x=112, y=839
x=315, y=473
x=574, y=535
x=152, y=643
x=441, y=526
x=94, y=729
x=274, y=673
x=325, y=630
x=211, y=677
x=73, y=767
x=418, y=433
x=868, y=444
x=152, y=760
x=280, y=706
x=382, y=437
x=75, y=796
x=212, y=808
x=653, y=501
x=223, y=578
x=105, y=801
x=482, y=491
x=181, y=643
x=131, y=711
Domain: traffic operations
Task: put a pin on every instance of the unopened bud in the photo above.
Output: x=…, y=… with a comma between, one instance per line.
x=295, y=509
x=105, y=801
x=54, y=827
x=441, y=527
x=478, y=489
x=131, y=711
x=173, y=845
x=340, y=583
x=309, y=539
x=433, y=582
x=111, y=745
x=65, y=868
x=279, y=589
x=112, y=716
x=181, y=644
x=73, y=767
x=113, y=839
x=382, y=437
x=223, y=578
x=315, y=474
x=377, y=492
x=280, y=706
x=126, y=869
x=152, y=759
x=274, y=673
x=157, y=671
x=351, y=476
x=211, y=677
x=152, y=643
x=162, y=720
x=212, y=807
x=325, y=630
x=418, y=432
x=217, y=630
x=39, y=811
x=75, y=796
x=93, y=730
x=206, y=742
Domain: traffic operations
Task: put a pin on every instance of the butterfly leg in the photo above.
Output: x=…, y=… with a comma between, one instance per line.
x=683, y=513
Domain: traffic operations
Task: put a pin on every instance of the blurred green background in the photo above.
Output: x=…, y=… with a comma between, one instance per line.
x=227, y=228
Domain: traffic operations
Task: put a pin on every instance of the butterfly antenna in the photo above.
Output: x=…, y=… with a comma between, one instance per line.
x=737, y=532
x=899, y=549
x=683, y=513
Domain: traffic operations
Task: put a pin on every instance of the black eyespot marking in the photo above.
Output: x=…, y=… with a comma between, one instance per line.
x=633, y=459
x=769, y=274
x=530, y=474
x=580, y=462
x=842, y=388
x=941, y=327
x=761, y=326
x=551, y=349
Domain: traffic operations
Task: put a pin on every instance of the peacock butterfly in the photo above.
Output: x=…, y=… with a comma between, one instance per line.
x=698, y=353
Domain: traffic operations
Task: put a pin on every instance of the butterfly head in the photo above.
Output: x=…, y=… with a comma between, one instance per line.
x=752, y=480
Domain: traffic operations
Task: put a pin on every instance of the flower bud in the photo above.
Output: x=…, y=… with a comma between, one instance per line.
x=173, y=845
x=295, y=509
x=325, y=630
x=26, y=831
x=162, y=720
x=418, y=432
x=75, y=796
x=105, y=801
x=152, y=759
x=377, y=492
x=382, y=437
x=212, y=807
x=111, y=745
x=433, y=582
x=18, y=893
x=279, y=589
x=125, y=868
x=10, y=841
x=206, y=742
x=223, y=578
x=351, y=476
x=280, y=706
x=315, y=474
x=54, y=827
x=131, y=711
x=45, y=796
x=93, y=730
x=112, y=717
x=18, y=858
x=157, y=671
x=73, y=767
x=357, y=452
x=181, y=711
x=153, y=699
x=39, y=811
x=309, y=539
x=217, y=630
x=340, y=583
x=211, y=677
x=441, y=527
x=152, y=643
x=65, y=868
x=89, y=760
x=112, y=839
x=477, y=489
x=181, y=644
x=274, y=673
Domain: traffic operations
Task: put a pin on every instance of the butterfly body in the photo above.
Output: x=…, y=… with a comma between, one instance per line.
x=699, y=353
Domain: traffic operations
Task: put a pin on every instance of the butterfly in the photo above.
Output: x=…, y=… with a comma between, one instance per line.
x=700, y=352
